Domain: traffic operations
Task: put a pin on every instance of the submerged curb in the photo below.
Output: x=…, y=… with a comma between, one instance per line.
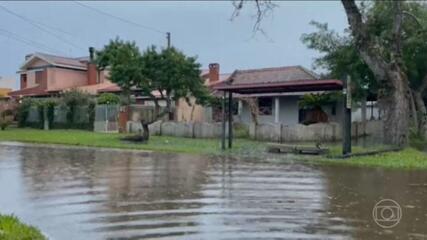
x=65, y=146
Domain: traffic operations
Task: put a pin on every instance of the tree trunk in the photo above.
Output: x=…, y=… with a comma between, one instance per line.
x=397, y=110
x=253, y=107
x=145, y=131
x=169, y=108
x=422, y=113
x=414, y=113
x=389, y=74
x=363, y=109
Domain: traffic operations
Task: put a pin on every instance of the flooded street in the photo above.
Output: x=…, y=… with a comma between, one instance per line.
x=91, y=194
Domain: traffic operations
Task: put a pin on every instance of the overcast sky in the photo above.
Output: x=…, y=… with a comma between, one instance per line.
x=198, y=28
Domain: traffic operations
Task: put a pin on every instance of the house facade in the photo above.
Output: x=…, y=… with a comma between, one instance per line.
x=277, y=92
x=43, y=75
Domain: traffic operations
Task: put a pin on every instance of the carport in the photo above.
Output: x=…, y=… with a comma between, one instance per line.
x=228, y=88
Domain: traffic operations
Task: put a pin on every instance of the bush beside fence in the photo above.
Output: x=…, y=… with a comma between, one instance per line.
x=59, y=118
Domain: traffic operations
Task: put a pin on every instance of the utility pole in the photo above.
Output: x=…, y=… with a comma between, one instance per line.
x=223, y=122
x=168, y=38
x=346, y=147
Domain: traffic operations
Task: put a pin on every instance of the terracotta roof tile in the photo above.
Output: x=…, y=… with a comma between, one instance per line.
x=75, y=62
x=272, y=75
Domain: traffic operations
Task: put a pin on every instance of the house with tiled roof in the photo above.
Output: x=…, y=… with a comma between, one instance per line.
x=277, y=91
x=44, y=75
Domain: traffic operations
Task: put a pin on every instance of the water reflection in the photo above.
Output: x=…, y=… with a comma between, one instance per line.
x=88, y=194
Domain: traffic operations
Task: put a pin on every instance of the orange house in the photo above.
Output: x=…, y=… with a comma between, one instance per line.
x=43, y=75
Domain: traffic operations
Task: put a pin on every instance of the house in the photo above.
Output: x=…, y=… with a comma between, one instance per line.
x=277, y=91
x=7, y=84
x=4, y=92
x=184, y=112
x=44, y=75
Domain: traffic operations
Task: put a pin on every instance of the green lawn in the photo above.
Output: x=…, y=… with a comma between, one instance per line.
x=408, y=158
x=112, y=140
x=12, y=229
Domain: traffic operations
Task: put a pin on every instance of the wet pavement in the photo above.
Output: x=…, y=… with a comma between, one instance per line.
x=91, y=194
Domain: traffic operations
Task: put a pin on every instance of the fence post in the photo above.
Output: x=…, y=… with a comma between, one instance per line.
x=106, y=118
x=45, y=118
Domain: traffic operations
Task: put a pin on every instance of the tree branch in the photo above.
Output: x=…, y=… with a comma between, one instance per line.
x=397, y=32
x=365, y=45
x=263, y=7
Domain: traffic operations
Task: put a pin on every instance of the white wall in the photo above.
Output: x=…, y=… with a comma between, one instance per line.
x=356, y=115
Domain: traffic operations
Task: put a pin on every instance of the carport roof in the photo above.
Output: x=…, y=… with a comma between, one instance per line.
x=278, y=87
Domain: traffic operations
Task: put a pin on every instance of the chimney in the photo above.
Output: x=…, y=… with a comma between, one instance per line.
x=213, y=72
x=92, y=71
x=28, y=56
x=91, y=54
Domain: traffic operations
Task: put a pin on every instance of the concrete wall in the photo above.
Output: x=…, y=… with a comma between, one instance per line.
x=179, y=129
x=264, y=132
x=314, y=132
x=193, y=112
x=356, y=114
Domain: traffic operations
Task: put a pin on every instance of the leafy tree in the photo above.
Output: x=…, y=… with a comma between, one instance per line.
x=340, y=54
x=6, y=117
x=317, y=101
x=340, y=58
x=108, y=98
x=70, y=100
x=314, y=104
x=23, y=111
x=168, y=72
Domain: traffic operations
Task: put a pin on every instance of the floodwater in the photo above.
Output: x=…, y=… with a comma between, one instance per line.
x=92, y=194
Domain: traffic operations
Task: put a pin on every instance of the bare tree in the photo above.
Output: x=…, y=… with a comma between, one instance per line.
x=252, y=103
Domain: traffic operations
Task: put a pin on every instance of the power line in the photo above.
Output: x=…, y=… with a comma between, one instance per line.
x=38, y=26
x=27, y=42
x=120, y=18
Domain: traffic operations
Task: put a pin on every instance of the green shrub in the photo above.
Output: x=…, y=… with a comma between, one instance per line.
x=240, y=130
x=417, y=140
x=6, y=117
x=70, y=100
x=12, y=229
x=108, y=98
x=23, y=110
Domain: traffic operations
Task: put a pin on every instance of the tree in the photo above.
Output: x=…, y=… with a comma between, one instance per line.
x=340, y=58
x=108, y=98
x=340, y=54
x=313, y=103
x=167, y=72
x=6, y=117
x=381, y=48
x=379, y=33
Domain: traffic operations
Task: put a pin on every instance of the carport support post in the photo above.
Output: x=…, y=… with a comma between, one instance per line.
x=346, y=147
x=223, y=123
x=230, y=119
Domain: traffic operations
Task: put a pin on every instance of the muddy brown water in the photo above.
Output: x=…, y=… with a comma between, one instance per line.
x=92, y=194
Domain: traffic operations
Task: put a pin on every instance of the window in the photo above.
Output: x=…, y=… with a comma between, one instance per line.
x=23, y=81
x=334, y=109
x=265, y=105
x=39, y=76
x=301, y=115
